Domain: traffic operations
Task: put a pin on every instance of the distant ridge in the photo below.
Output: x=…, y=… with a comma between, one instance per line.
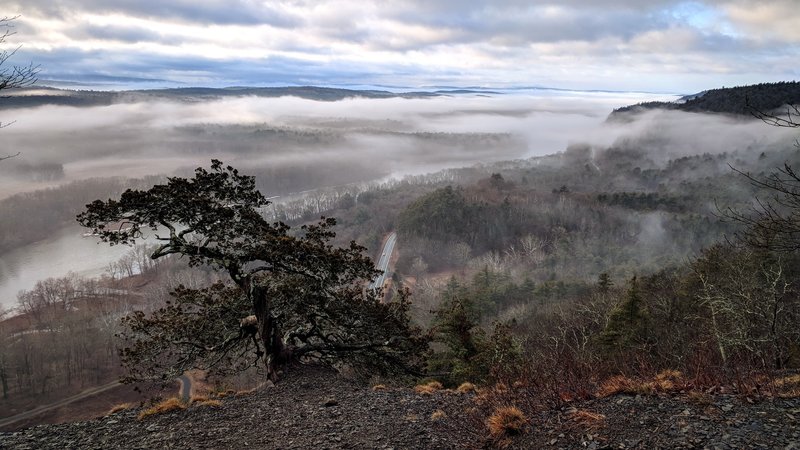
x=740, y=100
x=40, y=96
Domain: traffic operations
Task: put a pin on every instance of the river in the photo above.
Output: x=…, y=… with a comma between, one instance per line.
x=65, y=252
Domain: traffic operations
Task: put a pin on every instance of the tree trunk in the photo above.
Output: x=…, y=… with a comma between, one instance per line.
x=4, y=381
x=268, y=332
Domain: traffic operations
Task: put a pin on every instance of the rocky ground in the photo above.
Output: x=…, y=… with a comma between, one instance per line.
x=315, y=408
x=668, y=422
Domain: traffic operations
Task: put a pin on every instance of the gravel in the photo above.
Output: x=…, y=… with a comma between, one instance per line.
x=316, y=408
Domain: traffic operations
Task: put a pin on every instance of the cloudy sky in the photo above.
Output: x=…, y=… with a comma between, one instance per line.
x=647, y=45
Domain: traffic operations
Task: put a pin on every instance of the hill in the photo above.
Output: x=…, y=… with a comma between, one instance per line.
x=740, y=100
x=316, y=408
x=31, y=97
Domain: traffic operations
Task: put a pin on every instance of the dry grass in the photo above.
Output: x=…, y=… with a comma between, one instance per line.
x=788, y=386
x=226, y=393
x=411, y=418
x=506, y=421
x=120, y=407
x=666, y=381
x=379, y=387
x=465, y=387
x=428, y=388
x=244, y=392
x=438, y=414
x=168, y=405
x=699, y=398
x=587, y=419
x=211, y=403
x=199, y=398
x=615, y=385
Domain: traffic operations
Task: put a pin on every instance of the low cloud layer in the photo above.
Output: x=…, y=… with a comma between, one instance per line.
x=299, y=144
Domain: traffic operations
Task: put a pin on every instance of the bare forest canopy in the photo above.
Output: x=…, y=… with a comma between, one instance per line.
x=740, y=100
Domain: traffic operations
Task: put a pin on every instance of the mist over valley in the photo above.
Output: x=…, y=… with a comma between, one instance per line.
x=294, y=145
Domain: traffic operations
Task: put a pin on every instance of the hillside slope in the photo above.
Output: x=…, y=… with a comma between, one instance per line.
x=315, y=408
x=740, y=100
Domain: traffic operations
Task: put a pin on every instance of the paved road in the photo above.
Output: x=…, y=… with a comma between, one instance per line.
x=383, y=262
x=186, y=388
x=36, y=411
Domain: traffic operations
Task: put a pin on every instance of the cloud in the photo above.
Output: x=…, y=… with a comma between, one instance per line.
x=775, y=20
x=245, y=12
x=671, y=45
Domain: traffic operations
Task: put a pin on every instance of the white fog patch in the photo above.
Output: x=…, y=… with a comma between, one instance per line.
x=368, y=138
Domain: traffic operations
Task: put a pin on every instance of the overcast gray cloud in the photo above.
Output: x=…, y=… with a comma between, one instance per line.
x=664, y=45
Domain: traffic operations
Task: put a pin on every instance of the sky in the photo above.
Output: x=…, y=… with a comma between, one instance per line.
x=665, y=46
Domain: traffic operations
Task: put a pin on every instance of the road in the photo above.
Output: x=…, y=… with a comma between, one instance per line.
x=186, y=388
x=185, y=393
x=36, y=411
x=383, y=262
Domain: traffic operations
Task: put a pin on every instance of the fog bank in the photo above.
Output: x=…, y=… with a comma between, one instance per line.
x=312, y=143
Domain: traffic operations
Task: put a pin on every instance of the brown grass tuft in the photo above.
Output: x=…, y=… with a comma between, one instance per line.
x=120, y=407
x=587, y=419
x=170, y=404
x=465, y=388
x=428, y=388
x=787, y=387
x=438, y=414
x=506, y=421
x=198, y=398
x=379, y=387
x=699, y=398
x=666, y=381
x=227, y=393
x=242, y=393
x=615, y=385
x=211, y=403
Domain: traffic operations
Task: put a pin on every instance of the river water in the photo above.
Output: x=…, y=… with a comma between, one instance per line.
x=65, y=252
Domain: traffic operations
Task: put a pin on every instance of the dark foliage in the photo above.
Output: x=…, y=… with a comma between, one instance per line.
x=741, y=100
x=306, y=295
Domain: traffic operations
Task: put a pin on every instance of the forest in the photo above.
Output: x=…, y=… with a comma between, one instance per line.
x=629, y=258
x=740, y=100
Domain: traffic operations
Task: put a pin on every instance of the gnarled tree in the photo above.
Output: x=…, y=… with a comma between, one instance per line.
x=306, y=297
x=12, y=77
